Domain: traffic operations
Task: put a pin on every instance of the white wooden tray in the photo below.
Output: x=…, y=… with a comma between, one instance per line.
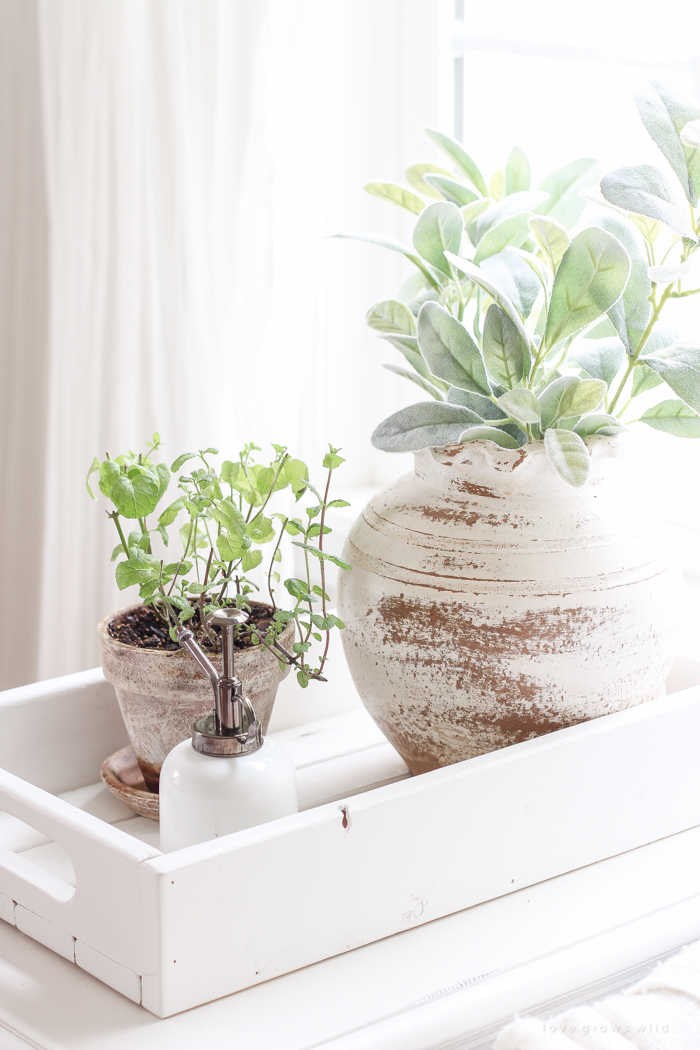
x=374, y=851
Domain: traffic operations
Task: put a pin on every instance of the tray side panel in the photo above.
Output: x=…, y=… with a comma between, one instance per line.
x=104, y=908
x=56, y=734
x=261, y=903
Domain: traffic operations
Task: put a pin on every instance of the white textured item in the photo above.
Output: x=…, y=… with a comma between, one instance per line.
x=660, y=1012
x=340, y=874
x=489, y=602
x=203, y=797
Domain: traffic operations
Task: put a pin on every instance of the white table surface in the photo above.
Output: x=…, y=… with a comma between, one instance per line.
x=556, y=939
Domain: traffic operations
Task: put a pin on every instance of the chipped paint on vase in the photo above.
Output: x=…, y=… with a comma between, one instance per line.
x=490, y=603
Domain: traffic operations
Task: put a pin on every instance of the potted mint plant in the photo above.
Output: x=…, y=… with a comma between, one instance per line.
x=513, y=579
x=224, y=520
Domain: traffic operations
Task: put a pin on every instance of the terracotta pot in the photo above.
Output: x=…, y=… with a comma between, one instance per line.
x=489, y=602
x=162, y=693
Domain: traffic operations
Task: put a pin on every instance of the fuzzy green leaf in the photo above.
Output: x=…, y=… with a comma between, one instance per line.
x=503, y=348
x=483, y=280
x=518, y=204
x=512, y=232
x=632, y=311
x=395, y=194
x=591, y=277
x=481, y=405
x=673, y=417
x=552, y=239
x=598, y=423
x=550, y=397
x=643, y=379
x=668, y=274
x=408, y=345
x=439, y=229
x=601, y=358
x=582, y=396
x=449, y=351
x=563, y=186
x=513, y=273
x=644, y=189
x=517, y=174
x=452, y=190
x=460, y=158
x=665, y=116
x=417, y=173
x=679, y=367
x=486, y=433
x=568, y=455
x=429, y=424
x=521, y=405
x=391, y=316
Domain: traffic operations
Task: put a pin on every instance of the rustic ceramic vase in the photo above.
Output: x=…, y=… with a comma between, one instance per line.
x=161, y=693
x=489, y=602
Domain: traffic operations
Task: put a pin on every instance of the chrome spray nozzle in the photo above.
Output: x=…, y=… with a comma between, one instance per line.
x=233, y=728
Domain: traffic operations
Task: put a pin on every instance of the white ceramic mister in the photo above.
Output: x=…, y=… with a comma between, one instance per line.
x=226, y=777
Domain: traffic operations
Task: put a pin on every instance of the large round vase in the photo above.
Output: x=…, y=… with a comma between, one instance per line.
x=489, y=602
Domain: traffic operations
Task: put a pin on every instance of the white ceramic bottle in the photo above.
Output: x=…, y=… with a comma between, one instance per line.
x=226, y=777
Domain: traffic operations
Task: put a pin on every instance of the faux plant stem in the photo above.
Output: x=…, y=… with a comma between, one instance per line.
x=272, y=562
x=201, y=597
x=323, y=565
x=114, y=515
x=642, y=343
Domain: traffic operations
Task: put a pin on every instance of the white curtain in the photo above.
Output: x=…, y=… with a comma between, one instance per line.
x=171, y=171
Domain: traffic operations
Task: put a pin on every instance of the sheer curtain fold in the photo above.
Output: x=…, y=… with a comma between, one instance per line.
x=191, y=158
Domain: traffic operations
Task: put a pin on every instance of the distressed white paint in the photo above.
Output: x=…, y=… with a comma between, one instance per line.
x=106, y=970
x=7, y=909
x=489, y=602
x=355, y=870
x=45, y=932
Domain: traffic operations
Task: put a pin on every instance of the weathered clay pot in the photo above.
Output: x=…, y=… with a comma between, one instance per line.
x=162, y=693
x=489, y=602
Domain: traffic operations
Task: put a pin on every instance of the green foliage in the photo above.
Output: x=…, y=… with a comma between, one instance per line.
x=518, y=330
x=646, y=190
x=590, y=279
x=223, y=517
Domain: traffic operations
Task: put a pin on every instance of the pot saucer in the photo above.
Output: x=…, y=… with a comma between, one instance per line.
x=122, y=775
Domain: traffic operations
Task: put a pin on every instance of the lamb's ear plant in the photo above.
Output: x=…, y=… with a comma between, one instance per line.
x=519, y=325
x=225, y=523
